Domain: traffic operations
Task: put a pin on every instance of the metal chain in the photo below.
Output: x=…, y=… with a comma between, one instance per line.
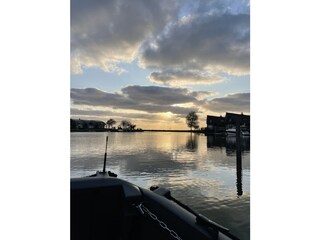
x=143, y=209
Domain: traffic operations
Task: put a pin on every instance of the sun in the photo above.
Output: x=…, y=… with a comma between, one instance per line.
x=169, y=114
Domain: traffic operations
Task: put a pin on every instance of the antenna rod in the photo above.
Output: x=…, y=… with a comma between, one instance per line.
x=105, y=157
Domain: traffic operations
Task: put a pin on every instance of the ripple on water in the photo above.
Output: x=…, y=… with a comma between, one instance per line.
x=198, y=173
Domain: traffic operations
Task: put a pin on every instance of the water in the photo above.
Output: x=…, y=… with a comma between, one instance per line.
x=206, y=173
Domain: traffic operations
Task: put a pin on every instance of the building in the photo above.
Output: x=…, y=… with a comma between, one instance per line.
x=86, y=124
x=216, y=124
x=232, y=119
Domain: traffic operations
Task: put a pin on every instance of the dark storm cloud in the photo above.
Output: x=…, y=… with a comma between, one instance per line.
x=149, y=99
x=238, y=102
x=105, y=33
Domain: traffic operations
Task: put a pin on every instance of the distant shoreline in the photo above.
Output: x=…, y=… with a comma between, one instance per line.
x=144, y=130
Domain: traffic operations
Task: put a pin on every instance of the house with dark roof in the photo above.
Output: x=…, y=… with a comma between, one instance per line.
x=87, y=124
x=233, y=118
x=216, y=124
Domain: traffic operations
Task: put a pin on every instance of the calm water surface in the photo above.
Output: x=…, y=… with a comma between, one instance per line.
x=206, y=173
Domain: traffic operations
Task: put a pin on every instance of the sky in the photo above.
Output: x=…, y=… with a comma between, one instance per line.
x=284, y=67
x=152, y=62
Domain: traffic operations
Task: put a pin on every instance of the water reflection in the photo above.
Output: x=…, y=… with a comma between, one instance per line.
x=207, y=173
x=229, y=142
x=239, y=172
x=192, y=142
x=233, y=146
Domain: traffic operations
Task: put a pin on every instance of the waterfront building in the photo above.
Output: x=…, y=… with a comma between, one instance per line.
x=86, y=124
x=218, y=125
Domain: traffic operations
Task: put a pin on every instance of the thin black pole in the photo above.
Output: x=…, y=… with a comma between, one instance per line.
x=239, y=159
x=105, y=157
x=239, y=172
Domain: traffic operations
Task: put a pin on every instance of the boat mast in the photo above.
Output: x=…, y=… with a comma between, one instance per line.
x=105, y=157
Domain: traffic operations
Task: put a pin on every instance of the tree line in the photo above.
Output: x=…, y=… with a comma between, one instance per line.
x=192, y=121
x=124, y=124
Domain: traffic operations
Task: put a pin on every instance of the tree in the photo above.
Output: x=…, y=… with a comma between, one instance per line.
x=192, y=120
x=111, y=122
x=125, y=124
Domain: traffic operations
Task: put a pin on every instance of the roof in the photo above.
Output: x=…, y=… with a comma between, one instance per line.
x=88, y=121
x=215, y=119
x=233, y=117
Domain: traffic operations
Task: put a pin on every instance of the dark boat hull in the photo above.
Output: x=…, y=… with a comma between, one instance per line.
x=111, y=208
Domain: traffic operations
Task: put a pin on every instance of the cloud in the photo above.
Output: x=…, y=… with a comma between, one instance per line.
x=201, y=95
x=89, y=112
x=105, y=33
x=205, y=41
x=184, y=42
x=220, y=6
x=149, y=99
x=158, y=95
x=141, y=100
x=104, y=114
x=197, y=48
x=177, y=77
x=238, y=102
x=160, y=104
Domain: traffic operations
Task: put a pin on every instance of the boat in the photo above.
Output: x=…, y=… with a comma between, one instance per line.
x=233, y=132
x=245, y=133
x=104, y=206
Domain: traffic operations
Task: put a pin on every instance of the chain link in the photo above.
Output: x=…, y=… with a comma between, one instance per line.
x=143, y=209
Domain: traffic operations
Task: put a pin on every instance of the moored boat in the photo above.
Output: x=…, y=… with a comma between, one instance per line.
x=233, y=132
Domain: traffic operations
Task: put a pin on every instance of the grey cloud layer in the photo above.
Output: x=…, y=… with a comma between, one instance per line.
x=216, y=42
x=239, y=102
x=158, y=95
x=104, y=33
x=176, y=77
x=149, y=99
x=221, y=6
x=211, y=38
x=104, y=113
x=198, y=48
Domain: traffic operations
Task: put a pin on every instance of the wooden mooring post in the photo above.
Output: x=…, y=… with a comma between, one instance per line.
x=239, y=159
x=239, y=172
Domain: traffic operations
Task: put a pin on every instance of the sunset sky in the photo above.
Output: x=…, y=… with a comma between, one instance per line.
x=152, y=62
